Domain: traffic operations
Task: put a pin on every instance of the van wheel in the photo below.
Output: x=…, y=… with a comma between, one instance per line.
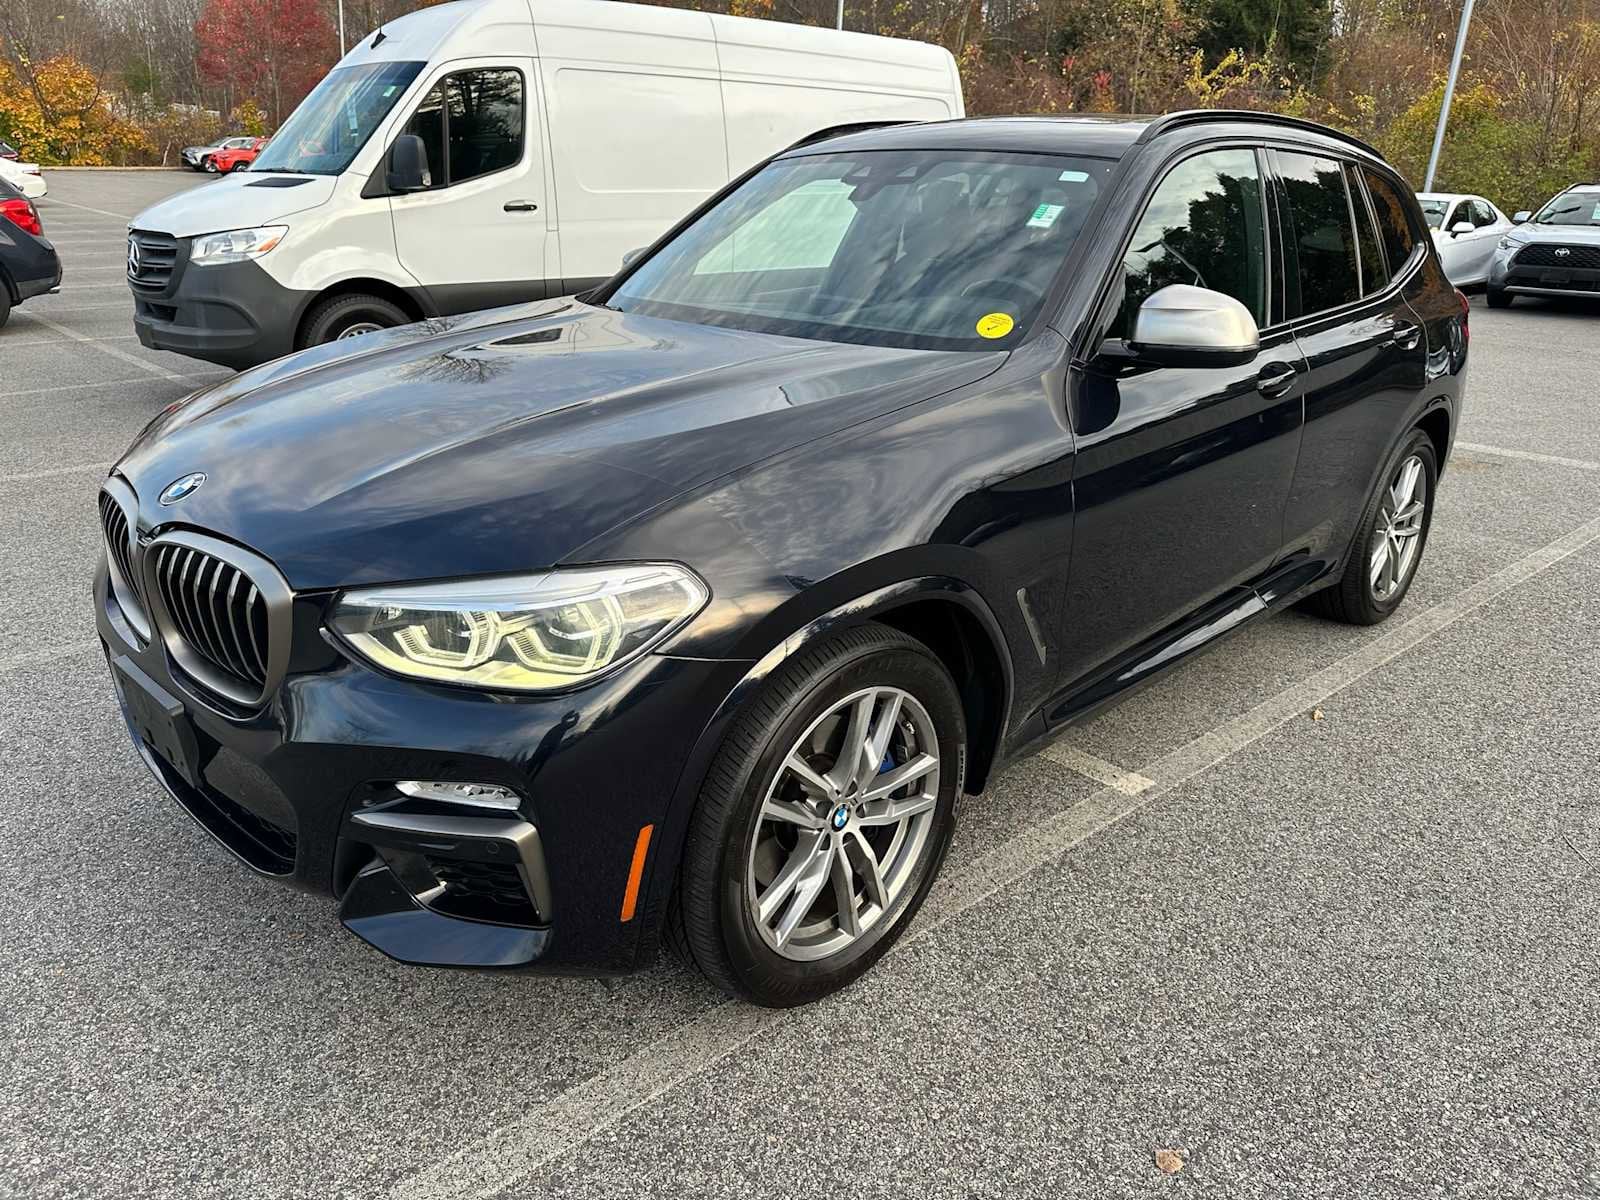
x=1389, y=540
x=350, y=316
x=822, y=820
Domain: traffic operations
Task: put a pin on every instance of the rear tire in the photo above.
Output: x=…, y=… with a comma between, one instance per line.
x=350, y=316
x=5, y=303
x=759, y=821
x=1369, y=591
x=1498, y=298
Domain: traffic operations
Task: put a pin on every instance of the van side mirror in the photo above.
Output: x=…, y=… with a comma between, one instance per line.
x=1186, y=326
x=408, y=165
x=1461, y=227
x=634, y=255
x=1522, y=216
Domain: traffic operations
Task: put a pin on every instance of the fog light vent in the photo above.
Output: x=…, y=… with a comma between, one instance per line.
x=479, y=795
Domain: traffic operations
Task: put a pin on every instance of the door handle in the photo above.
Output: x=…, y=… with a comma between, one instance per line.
x=1276, y=378
x=519, y=206
x=1406, y=336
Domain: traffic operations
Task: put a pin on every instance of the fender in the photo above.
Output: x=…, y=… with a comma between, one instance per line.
x=663, y=868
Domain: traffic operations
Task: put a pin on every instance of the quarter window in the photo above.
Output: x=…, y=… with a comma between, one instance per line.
x=1394, y=225
x=1205, y=226
x=1373, y=277
x=1323, y=240
x=471, y=124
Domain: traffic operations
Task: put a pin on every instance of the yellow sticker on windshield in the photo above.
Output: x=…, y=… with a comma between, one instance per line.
x=995, y=325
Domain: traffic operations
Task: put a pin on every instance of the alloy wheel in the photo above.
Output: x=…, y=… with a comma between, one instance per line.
x=1397, y=536
x=844, y=825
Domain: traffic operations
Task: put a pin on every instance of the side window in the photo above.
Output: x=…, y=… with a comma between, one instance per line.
x=1206, y=226
x=471, y=124
x=1394, y=221
x=1373, y=277
x=485, y=121
x=1323, y=240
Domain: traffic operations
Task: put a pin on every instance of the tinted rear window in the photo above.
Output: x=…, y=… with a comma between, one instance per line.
x=1323, y=239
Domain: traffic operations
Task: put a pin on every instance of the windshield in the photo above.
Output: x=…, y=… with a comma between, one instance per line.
x=930, y=249
x=336, y=119
x=1571, y=208
x=1434, y=211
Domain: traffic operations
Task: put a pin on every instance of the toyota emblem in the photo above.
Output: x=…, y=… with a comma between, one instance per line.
x=1562, y=252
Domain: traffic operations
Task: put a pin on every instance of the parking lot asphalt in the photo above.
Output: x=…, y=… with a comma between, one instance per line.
x=1315, y=912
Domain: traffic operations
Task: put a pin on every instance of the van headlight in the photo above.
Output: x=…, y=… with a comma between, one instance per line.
x=234, y=245
x=526, y=633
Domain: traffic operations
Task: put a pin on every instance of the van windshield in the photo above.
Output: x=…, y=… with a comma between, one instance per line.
x=947, y=250
x=336, y=119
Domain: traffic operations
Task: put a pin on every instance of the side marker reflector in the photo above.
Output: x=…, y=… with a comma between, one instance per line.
x=641, y=850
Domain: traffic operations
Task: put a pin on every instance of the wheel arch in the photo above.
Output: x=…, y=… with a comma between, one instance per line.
x=1436, y=423
x=947, y=615
x=362, y=286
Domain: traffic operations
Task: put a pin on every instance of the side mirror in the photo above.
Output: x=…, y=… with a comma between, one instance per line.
x=1522, y=216
x=633, y=256
x=1461, y=227
x=1186, y=326
x=408, y=165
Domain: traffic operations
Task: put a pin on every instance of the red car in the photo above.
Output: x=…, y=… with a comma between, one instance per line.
x=236, y=159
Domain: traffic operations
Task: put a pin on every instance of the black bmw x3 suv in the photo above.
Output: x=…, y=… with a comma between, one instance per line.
x=687, y=608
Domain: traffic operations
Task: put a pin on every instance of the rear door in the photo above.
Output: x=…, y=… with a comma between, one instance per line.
x=476, y=237
x=1181, y=474
x=1365, y=347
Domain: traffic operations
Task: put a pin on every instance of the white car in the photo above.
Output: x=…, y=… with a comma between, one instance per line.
x=1466, y=230
x=25, y=177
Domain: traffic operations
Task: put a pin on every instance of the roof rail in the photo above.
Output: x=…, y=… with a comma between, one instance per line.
x=1197, y=116
x=833, y=131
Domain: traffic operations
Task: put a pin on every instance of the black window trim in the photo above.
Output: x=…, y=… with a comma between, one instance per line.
x=440, y=83
x=1100, y=306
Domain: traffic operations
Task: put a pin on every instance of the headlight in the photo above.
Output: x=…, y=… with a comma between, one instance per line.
x=529, y=633
x=235, y=245
x=1506, y=242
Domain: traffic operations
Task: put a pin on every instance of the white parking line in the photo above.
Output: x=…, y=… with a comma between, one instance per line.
x=86, y=340
x=114, y=337
x=1555, y=460
x=104, y=383
x=53, y=472
x=509, y=1154
x=1129, y=783
x=85, y=208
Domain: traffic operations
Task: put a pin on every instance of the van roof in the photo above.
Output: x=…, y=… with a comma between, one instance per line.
x=1109, y=136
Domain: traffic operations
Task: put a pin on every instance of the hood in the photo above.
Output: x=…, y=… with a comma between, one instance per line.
x=1571, y=235
x=235, y=202
x=501, y=441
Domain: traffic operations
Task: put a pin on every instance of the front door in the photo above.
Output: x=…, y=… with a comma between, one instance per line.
x=1181, y=474
x=476, y=236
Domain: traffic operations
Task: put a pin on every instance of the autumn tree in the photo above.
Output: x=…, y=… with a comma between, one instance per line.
x=271, y=51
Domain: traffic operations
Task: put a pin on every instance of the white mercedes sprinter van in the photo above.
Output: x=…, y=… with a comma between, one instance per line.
x=487, y=152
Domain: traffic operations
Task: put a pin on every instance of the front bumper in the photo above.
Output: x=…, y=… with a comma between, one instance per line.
x=235, y=314
x=1507, y=274
x=303, y=790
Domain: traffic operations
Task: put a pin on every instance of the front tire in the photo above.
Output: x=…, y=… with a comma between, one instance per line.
x=239, y=166
x=1498, y=298
x=823, y=819
x=350, y=316
x=1389, y=541
x=209, y=166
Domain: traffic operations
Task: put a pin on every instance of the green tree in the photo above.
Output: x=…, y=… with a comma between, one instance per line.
x=1289, y=31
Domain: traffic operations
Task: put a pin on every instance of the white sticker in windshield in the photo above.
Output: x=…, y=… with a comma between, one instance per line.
x=1073, y=177
x=1595, y=216
x=1045, y=216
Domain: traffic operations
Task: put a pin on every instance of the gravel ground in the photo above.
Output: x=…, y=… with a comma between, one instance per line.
x=1337, y=957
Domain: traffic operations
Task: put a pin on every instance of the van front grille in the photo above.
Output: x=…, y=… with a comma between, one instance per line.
x=152, y=258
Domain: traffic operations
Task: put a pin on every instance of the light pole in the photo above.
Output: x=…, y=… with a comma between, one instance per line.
x=1449, y=95
x=839, y=21
x=341, y=28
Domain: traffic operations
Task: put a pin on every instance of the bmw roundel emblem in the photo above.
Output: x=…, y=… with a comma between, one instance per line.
x=841, y=816
x=185, y=485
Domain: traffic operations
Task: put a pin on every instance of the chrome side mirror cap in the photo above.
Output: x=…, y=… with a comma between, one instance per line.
x=1186, y=326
